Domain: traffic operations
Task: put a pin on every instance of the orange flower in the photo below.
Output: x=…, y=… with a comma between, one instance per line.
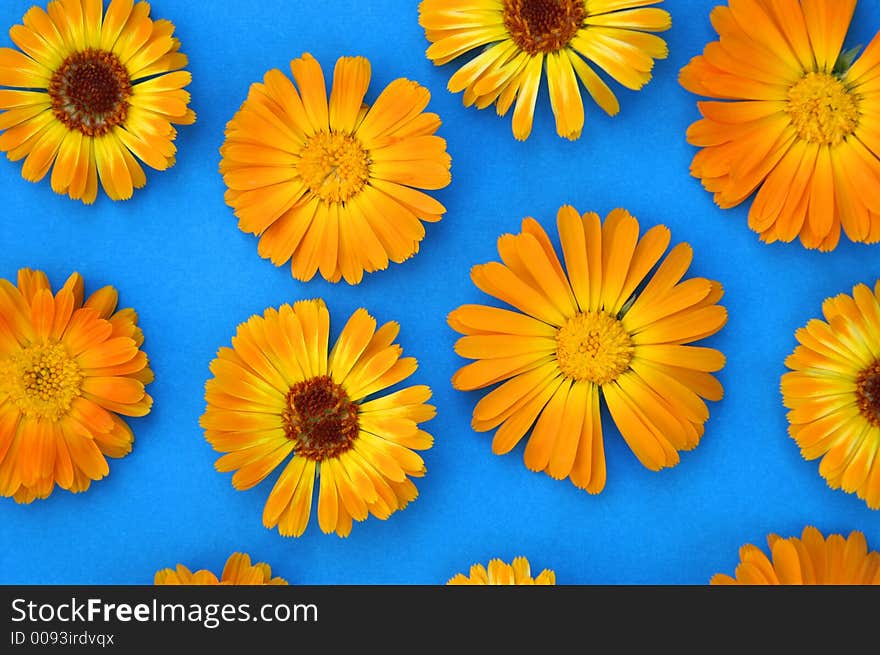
x=67, y=368
x=795, y=120
x=833, y=392
x=278, y=398
x=500, y=573
x=810, y=560
x=609, y=326
x=519, y=39
x=238, y=571
x=94, y=93
x=332, y=186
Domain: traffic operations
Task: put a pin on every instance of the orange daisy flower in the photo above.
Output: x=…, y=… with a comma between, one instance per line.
x=278, y=393
x=833, y=392
x=792, y=118
x=810, y=560
x=94, y=92
x=500, y=573
x=603, y=327
x=520, y=39
x=67, y=369
x=238, y=571
x=333, y=186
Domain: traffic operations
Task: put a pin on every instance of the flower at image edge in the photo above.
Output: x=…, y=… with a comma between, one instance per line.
x=605, y=326
x=276, y=393
x=810, y=560
x=94, y=93
x=501, y=573
x=68, y=368
x=237, y=571
x=793, y=121
x=519, y=39
x=833, y=392
x=333, y=186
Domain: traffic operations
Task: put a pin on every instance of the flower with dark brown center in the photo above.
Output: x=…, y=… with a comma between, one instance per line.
x=113, y=82
x=283, y=398
x=518, y=43
x=833, y=392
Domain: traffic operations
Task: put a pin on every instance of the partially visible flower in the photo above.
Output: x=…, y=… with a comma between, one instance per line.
x=332, y=186
x=500, y=573
x=810, y=560
x=278, y=398
x=833, y=392
x=518, y=39
x=94, y=92
x=238, y=571
x=615, y=324
x=68, y=368
x=791, y=121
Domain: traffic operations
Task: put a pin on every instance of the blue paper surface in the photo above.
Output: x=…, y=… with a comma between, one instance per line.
x=176, y=255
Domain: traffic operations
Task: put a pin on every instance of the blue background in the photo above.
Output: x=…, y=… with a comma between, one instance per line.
x=176, y=255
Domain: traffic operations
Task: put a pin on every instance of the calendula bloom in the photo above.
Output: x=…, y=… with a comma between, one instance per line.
x=500, y=573
x=833, y=392
x=68, y=368
x=238, y=571
x=810, y=560
x=94, y=93
x=278, y=397
x=603, y=327
x=519, y=38
x=333, y=186
x=793, y=118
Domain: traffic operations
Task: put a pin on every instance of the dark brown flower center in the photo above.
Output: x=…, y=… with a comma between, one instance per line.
x=90, y=92
x=543, y=25
x=320, y=419
x=868, y=393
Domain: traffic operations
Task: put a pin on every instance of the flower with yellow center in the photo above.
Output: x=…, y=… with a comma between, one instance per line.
x=792, y=121
x=810, y=560
x=333, y=186
x=278, y=396
x=500, y=573
x=94, y=92
x=237, y=571
x=520, y=38
x=608, y=325
x=68, y=368
x=833, y=392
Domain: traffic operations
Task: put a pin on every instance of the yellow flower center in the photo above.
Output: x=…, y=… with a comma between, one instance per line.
x=320, y=419
x=822, y=109
x=594, y=347
x=868, y=393
x=543, y=25
x=334, y=166
x=90, y=92
x=42, y=380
